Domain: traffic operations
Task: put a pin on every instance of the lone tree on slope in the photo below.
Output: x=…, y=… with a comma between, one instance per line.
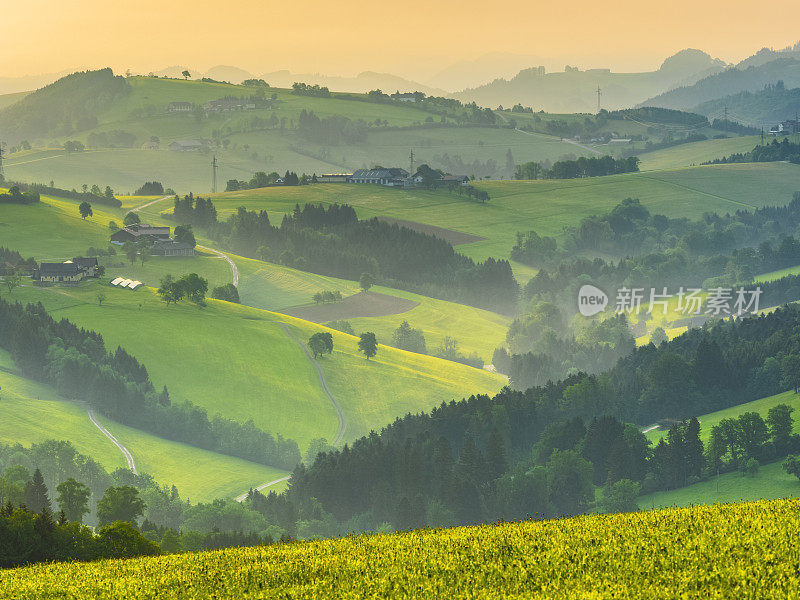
x=368, y=345
x=366, y=281
x=85, y=209
x=321, y=343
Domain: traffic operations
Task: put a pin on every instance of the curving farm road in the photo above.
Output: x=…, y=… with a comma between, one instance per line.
x=234, y=268
x=324, y=384
x=109, y=435
x=339, y=434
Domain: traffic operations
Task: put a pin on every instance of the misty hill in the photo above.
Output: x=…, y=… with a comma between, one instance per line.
x=26, y=83
x=69, y=105
x=769, y=106
x=576, y=91
x=731, y=81
x=766, y=55
x=484, y=69
x=360, y=84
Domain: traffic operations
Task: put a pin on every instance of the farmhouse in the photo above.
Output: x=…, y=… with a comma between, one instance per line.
x=170, y=247
x=68, y=271
x=179, y=107
x=391, y=177
x=139, y=231
x=187, y=145
x=456, y=179
x=407, y=96
x=334, y=177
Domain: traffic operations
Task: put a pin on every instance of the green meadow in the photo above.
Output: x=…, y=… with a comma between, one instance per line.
x=32, y=412
x=696, y=153
x=770, y=482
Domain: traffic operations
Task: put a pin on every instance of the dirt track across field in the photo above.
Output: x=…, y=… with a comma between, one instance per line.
x=362, y=304
x=454, y=238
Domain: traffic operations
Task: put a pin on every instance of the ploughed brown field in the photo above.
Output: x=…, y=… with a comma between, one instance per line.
x=362, y=304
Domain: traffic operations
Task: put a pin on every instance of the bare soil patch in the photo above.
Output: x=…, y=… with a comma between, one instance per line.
x=362, y=304
x=454, y=238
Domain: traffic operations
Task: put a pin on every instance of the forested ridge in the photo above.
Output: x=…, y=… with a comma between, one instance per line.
x=68, y=105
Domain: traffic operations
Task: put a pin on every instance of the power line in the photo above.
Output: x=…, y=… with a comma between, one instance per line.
x=214, y=175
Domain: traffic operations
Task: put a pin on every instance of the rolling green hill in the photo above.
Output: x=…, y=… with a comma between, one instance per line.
x=545, y=205
x=32, y=412
x=238, y=361
x=252, y=141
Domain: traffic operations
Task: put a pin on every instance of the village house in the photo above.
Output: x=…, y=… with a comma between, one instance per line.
x=139, y=231
x=179, y=107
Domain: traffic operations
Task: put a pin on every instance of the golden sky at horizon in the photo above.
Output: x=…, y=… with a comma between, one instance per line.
x=410, y=38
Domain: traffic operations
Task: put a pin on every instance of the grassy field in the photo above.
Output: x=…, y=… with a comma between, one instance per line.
x=32, y=412
x=772, y=276
x=695, y=153
x=275, y=287
x=744, y=550
x=545, y=206
x=769, y=483
x=237, y=361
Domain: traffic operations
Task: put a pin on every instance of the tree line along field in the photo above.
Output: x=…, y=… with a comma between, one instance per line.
x=721, y=551
x=32, y=412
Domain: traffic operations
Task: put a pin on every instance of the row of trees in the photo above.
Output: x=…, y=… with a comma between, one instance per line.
x=581, y=167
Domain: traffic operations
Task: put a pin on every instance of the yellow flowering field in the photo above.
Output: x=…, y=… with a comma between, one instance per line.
x=739, y=551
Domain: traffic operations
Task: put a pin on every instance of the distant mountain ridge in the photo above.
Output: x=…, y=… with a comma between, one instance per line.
x=574, y=90
x=733, y=80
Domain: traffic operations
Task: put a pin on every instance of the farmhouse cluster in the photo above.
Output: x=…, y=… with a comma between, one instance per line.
x=157, y=238
x=394, y=177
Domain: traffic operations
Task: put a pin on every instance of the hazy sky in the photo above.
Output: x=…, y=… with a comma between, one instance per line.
x=411, y=38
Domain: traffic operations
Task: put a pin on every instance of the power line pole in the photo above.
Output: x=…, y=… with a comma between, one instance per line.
x=1, y=161
x=598, y=99
x=214, y=175
x=726, y=119
x=411, y=166
x=762, y=135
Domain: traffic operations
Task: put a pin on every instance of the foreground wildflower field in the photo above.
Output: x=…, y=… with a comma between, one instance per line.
x=737, y=551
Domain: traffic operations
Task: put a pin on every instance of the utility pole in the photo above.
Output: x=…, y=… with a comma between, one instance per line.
x=726, y=119
x=598, y=99
x=214, y=175
x=1, y=161
x=411, y=167
x=762, y=135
